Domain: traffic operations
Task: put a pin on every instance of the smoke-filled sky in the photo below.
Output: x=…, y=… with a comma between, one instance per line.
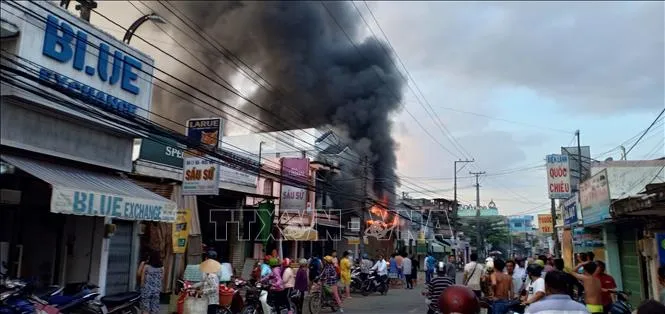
x=511, y=81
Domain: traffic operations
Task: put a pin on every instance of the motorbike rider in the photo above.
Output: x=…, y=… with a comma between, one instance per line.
x=330, y=279
x=536, y=287
x=436, y=286
x=277, y=291
x=365, y=266
x=381, y=268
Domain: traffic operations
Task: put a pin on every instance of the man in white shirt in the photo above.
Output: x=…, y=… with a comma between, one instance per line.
x=536, y=288
x=381, y=267
x=406, y=268
x=473, y=271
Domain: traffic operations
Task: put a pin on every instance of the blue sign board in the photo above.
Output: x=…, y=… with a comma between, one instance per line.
x=570, y=210
x=108, y=68
x=521, y=224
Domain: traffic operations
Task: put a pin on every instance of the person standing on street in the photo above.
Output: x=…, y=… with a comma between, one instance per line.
x=301, y=284
x=430, y=263
x=557, y=299
x=365, y=266
x=435, y=287
x=315, y=266
x=502, y=288
x=151, y=283
x=406, y=268
x=414, y=270
x=345, y=273
x=575, y=288
x=592, y=288
x=607, y=286
x=451, y=268
x=473, y=271
x=536, y=288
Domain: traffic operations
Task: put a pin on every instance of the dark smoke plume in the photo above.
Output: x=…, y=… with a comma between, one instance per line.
x=315, y=76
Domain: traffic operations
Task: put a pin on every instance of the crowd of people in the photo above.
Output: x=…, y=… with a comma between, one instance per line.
x=542, y=285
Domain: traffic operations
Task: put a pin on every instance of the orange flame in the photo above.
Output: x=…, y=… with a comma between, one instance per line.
x=381, y=212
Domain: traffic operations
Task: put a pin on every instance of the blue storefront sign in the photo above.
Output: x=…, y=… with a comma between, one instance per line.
x=71, y=53
x=65, y=45
x=570, y=210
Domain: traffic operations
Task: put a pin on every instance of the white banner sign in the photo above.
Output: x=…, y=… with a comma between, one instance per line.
x=200, y=176
x=230, y=175
x=89, y=203
x=558, y=176
x=293, y=198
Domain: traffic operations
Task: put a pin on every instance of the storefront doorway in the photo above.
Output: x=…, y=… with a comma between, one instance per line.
x=118, y=274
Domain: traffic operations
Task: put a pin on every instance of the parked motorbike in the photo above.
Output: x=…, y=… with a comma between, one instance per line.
x=119, y=303
x=621, y=306
x=375, y=283
x=252, y=299
x=356, y=280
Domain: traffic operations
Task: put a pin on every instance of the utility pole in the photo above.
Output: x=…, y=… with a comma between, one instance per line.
x=555, y=234
x=454, y=231
x=85, y=6
x=478, y=174
x=361, y=230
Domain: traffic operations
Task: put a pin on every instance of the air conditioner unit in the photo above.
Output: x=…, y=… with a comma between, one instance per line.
x=10, y=197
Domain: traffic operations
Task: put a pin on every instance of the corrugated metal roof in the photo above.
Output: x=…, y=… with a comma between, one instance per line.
x=71, y=177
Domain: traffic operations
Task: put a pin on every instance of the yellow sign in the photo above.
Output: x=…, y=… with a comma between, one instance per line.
x=181, y=231
x=545, y=223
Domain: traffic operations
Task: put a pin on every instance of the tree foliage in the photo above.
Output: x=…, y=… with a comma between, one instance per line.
x=493, y=230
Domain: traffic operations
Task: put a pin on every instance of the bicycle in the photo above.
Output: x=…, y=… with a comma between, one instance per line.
x=320, y=297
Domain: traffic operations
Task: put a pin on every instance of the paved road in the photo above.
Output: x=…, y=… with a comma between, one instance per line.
x=397, y=301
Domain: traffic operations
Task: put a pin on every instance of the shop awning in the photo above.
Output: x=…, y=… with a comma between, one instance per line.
x=437, y=248
x=83, y=192
x=299, y=233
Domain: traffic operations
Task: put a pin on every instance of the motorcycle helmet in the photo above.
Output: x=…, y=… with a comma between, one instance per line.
x=458, y=299
x=286, y=262
x=534, y=270
x=328, y=259
x=365, y=255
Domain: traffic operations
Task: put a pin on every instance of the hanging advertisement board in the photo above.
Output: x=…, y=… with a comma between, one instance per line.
x=181, y=231
x=558, y=176
x=207, y=131
x=545, y=223
x=595, y=199
x=295, y=170
x=200, y=176
x=570, y=208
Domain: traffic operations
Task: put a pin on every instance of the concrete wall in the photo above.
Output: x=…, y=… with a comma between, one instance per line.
x=30, y=128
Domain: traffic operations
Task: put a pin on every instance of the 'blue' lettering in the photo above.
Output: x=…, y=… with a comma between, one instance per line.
x=116, y=206
x=78, y=205
x=53, y=40
x=128, y=76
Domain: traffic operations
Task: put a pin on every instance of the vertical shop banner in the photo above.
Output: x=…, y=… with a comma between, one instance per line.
x=181, y=231
x=558, y=176
x=294, y=170
x=587, y=239
x=545, y=223
x=570, y=210
x=595, y=199
x=200, y=176
x=207, y=131
x=660, y=242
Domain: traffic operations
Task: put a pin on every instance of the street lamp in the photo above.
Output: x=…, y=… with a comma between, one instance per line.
x=132, y=29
